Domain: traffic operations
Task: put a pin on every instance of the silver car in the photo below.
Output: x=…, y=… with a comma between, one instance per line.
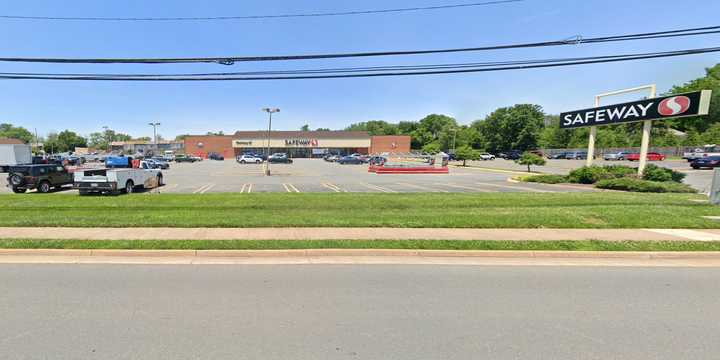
x=615, y=156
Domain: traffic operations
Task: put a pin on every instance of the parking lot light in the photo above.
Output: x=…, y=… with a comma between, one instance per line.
x=270, y=111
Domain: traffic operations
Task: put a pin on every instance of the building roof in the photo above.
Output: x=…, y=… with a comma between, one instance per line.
x=143, y=142
x=262, y=134
x=8, y=141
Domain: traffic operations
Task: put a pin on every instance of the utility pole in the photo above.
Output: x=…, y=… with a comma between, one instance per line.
x=155, y=125
x=270, y=111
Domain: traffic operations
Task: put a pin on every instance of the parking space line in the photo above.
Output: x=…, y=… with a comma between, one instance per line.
x=210, y=186
x=249, y=189
x=293, y=188
x=424, y=188
x=200, y=188
x=333, y=187
x=514, y=187
x=242, y=190
x=286, y=187
x=378, y=188
x=464, y=187
x=169, y=187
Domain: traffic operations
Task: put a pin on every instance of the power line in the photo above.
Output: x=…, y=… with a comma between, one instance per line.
x=252, y=17
x=449, y=70
x=355, y=69
x=233, y=59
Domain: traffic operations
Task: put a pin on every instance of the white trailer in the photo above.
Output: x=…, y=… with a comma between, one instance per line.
x=116, y=180
x=14, y=154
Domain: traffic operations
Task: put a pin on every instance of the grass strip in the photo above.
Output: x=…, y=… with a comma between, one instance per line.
x=426, y=210
x=585, y=245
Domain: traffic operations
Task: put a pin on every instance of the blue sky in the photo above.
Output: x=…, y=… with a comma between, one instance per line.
x=211, y=106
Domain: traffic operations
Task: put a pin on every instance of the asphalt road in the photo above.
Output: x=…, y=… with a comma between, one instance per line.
x=357, y=312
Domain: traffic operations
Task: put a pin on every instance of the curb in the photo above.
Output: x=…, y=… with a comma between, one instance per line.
x=366, y=253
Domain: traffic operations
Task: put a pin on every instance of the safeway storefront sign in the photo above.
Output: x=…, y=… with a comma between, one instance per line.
x=680, y=105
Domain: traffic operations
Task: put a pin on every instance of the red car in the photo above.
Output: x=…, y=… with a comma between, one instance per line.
x=651, y=156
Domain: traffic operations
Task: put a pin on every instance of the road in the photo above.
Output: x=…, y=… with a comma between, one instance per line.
x=357, y=312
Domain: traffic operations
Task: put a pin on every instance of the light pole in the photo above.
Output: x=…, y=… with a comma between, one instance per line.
x=106, y=128
x=270, y=111
x=155, y=125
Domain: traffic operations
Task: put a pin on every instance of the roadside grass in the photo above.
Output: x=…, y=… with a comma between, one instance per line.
x=589, y=245
x=460, y=210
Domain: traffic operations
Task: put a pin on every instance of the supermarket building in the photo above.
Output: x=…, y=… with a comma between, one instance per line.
x=297, y=144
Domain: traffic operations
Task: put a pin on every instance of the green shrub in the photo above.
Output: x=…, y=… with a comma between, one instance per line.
x=656, y=173
x=620, y=171
x=638, y=185
x=588, y=174
x=546, y=179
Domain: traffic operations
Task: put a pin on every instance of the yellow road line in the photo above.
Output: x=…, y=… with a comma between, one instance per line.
x=514, y=187
x=421, y=187
x=464, y=187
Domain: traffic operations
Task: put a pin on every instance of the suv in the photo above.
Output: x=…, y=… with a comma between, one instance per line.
x=40, y=177
x=184, y=158
x=215, y=156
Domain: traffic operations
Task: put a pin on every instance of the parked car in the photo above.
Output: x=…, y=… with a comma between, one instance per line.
x=510, y=155
x=215, y=156
x=280, y=158
x=262, y=157
x=157, y=164
x=377, y=160
x=560, y=155
x=350, y=160
x=651, y=156
x=615, y=156
x=487, y=156
x=184, y=158
x=706, y=162
x=41, y=177
x=247, y=159
x=577, y=155
x=332, y=158
x=197, y=158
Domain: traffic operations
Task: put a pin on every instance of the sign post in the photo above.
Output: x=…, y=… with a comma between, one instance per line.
x=674, y=106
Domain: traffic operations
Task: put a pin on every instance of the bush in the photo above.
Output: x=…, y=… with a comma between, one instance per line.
x=638, y=185
x=593, y=174
x=546, y=179
x=588, y=174
x=656, y=173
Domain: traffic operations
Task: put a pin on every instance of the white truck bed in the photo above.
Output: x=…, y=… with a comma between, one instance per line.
x=15, y=154
x=113, y=180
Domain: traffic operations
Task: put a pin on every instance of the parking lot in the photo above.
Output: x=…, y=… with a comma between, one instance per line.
x=316, y=175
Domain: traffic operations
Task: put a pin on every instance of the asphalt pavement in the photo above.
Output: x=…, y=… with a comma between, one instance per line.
x=357, y=312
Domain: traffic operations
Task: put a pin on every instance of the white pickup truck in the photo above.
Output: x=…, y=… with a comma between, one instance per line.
x=117, y=177
x=699, y=153
x=14, y=154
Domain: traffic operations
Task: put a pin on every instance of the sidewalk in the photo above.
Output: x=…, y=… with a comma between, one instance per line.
x=356, y=234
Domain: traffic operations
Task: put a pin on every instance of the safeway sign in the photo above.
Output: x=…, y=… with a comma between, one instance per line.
x=681, y=105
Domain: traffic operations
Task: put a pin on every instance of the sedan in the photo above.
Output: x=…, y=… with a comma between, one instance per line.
x=706, y=162
x=615, y=156
x=651, y=156
x=280, y=158
x=350, y=160
x=246, y=159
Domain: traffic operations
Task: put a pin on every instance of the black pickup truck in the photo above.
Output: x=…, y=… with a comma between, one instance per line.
x=43, y=177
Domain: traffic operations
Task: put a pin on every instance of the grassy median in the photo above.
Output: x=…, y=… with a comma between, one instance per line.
x=468, y=210
x=589, y=245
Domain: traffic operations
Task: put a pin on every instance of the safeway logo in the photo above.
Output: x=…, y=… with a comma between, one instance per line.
x=674, y=105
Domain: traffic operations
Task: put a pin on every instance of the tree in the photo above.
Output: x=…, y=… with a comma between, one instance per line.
x=374, y=127
x=529, y=158
x=432, y=148
x=219, y=133
x=15, y=132
x=65, y=141
x=323, y=129
x=143, y=138
x=181, y=137
x=465, y=153
x=305, y=127
x=711, y=81
x=512, y=128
